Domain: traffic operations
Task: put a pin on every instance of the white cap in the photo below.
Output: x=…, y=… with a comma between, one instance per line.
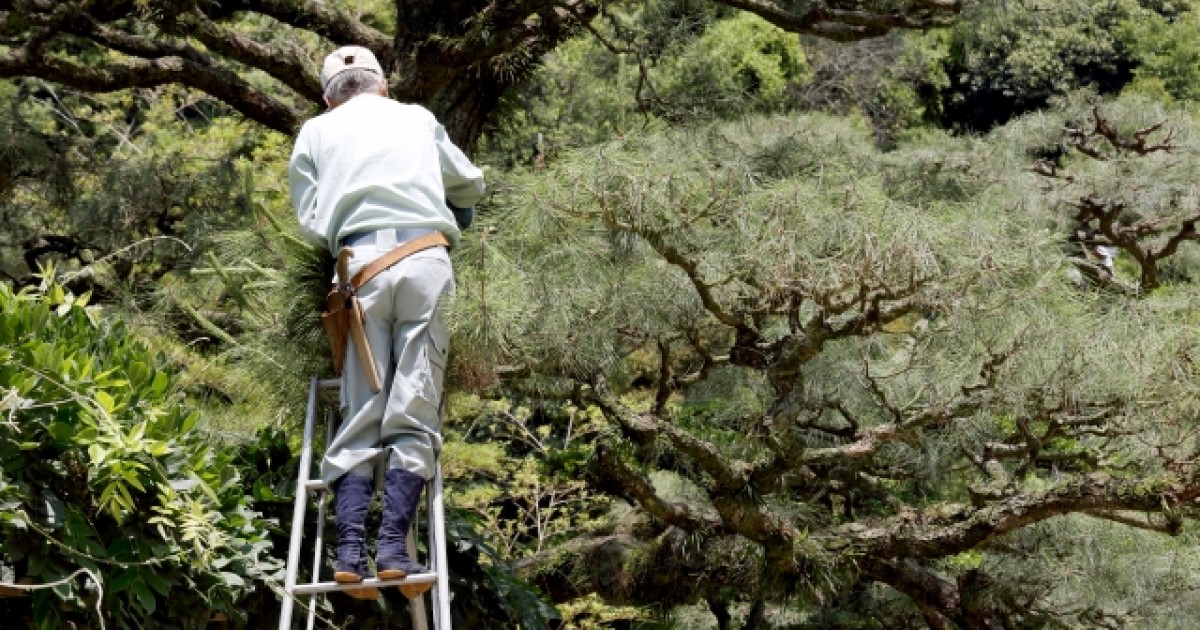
x=347, y=58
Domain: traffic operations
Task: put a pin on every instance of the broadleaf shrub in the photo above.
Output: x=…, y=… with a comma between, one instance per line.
x=102, y=467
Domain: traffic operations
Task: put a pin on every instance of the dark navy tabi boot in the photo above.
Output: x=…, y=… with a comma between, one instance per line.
x=351, y=497
x=401, y=492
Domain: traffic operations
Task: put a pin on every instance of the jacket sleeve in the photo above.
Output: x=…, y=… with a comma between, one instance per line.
x=302, y=180
x=462, y=179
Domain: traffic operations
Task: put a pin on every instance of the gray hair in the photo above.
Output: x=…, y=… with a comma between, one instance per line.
x=350, y=83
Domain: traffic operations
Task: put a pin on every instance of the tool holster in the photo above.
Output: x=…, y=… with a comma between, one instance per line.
x=343, y=321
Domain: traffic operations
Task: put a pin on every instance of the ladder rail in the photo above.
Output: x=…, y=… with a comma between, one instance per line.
x=416, y=605
x=437, y=551
x=285, y=613
x=319, y=541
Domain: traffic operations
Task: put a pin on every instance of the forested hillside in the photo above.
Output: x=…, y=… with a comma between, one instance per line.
x=775, y=315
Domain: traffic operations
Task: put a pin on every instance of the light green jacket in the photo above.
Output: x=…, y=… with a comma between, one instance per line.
x=374, y=163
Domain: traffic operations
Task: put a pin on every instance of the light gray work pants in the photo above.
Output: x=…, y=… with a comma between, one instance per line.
x=404, y=307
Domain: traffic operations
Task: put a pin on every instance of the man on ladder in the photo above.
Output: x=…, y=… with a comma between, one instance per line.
x=378, y=183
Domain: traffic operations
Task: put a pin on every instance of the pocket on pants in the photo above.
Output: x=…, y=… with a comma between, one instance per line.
x=435, y=354
x=436, y=339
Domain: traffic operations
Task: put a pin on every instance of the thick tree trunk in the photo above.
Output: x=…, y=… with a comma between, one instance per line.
x=457, y=57
x=460, y=98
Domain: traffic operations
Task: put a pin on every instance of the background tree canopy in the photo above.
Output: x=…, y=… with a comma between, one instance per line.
x=778, y=315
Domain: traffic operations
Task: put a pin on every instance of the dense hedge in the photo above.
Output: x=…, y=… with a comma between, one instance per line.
x=101, y=468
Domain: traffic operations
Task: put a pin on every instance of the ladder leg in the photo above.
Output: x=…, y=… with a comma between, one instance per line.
x=285, y=613
x=316, y=576
x=318, y=544
x=437, y=552
x=319, y=541
x=416, y=605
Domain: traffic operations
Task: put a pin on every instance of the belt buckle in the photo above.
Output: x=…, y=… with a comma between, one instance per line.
x=387, y=239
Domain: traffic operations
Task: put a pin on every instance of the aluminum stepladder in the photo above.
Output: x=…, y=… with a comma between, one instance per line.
x=435, y=512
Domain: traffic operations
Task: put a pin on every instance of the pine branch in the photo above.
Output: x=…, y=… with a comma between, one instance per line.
x=322, y=18
x=157, y=64
x=162, y=60
x=850, y=21
x=932, y=594
x=933, y=534
x=739, y=511
x=1107, y=217
x=692, y=269
x=637, y=488
x=665, y=379
x=793, y=351
x=1102, y=128
x=728, y=474
x=867, y=442
x=284, y=65
x=1162, y=525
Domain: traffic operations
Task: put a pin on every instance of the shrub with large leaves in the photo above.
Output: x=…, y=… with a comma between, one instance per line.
x=102, y=468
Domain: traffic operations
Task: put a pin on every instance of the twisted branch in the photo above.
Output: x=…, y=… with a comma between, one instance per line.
x=851, y=21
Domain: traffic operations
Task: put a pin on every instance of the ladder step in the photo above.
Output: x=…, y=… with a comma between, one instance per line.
x=315, y=486
x=325, y=587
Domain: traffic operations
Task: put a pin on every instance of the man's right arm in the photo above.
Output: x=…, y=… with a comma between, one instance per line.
x=462, y=180
x=302, y=180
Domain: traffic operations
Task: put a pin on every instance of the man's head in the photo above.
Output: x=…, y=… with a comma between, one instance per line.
x=350, y=71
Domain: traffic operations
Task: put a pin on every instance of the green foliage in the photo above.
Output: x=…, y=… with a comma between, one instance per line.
x=595, y=266
x=1003, y=61
x=1167, y=50
x=103, y=469
x=713, y=191
x=518, y=469
x=734, y=62
x=147, y=234
x=493, y=594
x=173, y=174
x=579, y=273
x=647, y=64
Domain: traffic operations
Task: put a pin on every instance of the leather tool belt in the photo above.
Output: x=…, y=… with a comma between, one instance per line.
x=343, y=320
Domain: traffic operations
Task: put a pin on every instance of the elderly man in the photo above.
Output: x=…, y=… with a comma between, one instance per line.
x=372, y=174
